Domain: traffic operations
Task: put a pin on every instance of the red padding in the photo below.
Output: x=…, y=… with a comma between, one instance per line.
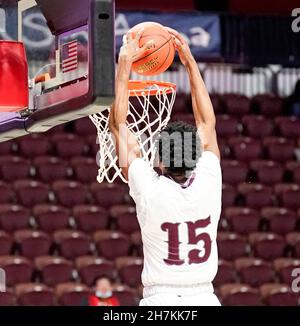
x=13, y=77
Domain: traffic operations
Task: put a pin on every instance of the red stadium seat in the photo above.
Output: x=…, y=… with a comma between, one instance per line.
x=294, y=168
x=245, y=148
x=34, y=145
x=267, y=246
x=50, y=218
x=8, y=147
x=239, y=295
x=279, y=219
x=256, y=195
x=242, y=220
x=72, y=244
x=90, y=268
x=229, y=195
x=253, y=271
x=50, y=168
x=7, y=299
x=279, y=149
x=289, y=195
x=125, y=295
x=32, y=243
x=257, y=126
x=7, y=194
x=14, y=217
x=289, y=126
x=89, y=218
x=185, y=117
x=267, y=105
x=130, y=270
x=278, y=295
x=111, y=244
x=125, y=218
x=93, y=144
x=13, y=168
x=6, y=243
x=17, y=269
x=226, y=273
x=71, y=294
x=68, y=145
x=85, y=169
x=224, y=148
x=227, y=126
x=234, y=171
x=70, y=193
x=182, y=104
x=53, y=270
x=31, y=192
x=267, y=172
x=231, y=246
x=84, y=127
x=34, y=294
x=137, y=245
x=293, y=239
x=284, y=268
x=236, y=104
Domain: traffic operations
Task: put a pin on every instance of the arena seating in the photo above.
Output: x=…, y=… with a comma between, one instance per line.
x=59, y=228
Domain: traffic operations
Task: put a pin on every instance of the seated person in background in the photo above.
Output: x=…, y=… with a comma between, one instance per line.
x=103, y=294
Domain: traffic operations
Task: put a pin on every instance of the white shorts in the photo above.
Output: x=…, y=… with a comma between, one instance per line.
x=197, y=295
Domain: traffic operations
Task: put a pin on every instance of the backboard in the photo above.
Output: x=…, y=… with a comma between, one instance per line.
x=73, y=42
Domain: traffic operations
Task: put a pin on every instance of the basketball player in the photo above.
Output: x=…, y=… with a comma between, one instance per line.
x=178, y=212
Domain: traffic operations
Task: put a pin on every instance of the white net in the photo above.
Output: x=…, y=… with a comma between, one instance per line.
x=149, y=112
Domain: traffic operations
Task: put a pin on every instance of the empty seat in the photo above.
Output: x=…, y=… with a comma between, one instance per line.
x=224, y=148
x=71, y=294
x=6, y=243
x=257, y=126
x=8, y=147
x=267, y=172
x=53, y=270
x=93, y=144
x=34, y=294
x=112, y=244
x=256, y=195
x=285, y=267
x=70, y=193
x=137, y=245
x=229, y=195
x=226, y=273
x=17, y=269
x=31, y=192
x=50, y=168
x=242, y=220
x=267, y=246
x=234, y=171
x=85, y=169
x=125, y=218
x=239, y=295
x=293, y=167
x=84, y=127
x=236, y=104
x=231, y=246
x=267, y=105
x=293, y=239
x=245, y=148
x=7, y=194
x=90, y=218
x=278, y=295
x=185, y=117
x=72, y=244
x=254, y=271
x=227, y=126
x=68, y=145
x=279, y=149
x=289, y=195
x=32, y=243
x=34, y=145
x=90, y=268
x=279, y=220
x=50, y=218
x=125, y=295
x=14, y=217
x=289, y=126
x=130, y=270
x=13, y=168
x=107, y=195
x=7, y=299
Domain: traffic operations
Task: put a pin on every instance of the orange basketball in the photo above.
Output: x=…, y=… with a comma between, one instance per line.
x=159, y=58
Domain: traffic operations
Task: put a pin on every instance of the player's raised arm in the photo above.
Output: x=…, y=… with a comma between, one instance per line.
x=126, y=144
x=202, y=106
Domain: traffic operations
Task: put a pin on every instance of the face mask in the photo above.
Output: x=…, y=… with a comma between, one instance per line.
x=103, y=295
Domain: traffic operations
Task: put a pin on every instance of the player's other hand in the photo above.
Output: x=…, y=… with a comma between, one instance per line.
x=131, y=49
x=182, y=47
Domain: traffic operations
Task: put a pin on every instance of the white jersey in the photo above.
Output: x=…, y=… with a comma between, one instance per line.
x=178, y=222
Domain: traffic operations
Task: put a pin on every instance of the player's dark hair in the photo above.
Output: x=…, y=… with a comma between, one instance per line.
x=179, y=148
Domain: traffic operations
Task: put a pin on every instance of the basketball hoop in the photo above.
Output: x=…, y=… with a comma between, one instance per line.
x=150, y=108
